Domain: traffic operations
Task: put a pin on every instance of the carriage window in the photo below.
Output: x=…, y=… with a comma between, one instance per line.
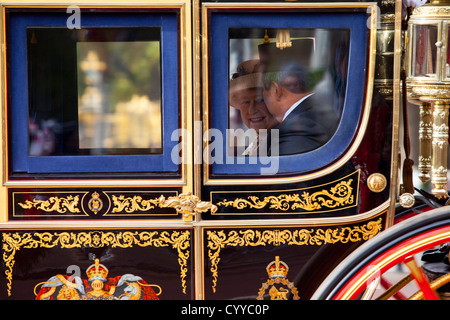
x=95, y=91
x=424, y=61
x=310, y=66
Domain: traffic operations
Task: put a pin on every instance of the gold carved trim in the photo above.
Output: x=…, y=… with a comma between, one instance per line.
x=430, y=11
x=216, y=240
x=188, y=205
x=13, y=242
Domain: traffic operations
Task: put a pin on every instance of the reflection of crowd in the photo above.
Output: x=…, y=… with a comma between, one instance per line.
x=42, y=138
x=274, y=92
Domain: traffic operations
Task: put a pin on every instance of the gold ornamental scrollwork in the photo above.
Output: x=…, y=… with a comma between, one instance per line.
x=186, y=204
x=134, y=203
x=58, y=204
x=217, y=240
x=13, y=242
x=339, y=195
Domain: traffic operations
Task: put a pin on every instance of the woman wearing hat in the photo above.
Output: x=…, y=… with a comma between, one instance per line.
x=246, y=95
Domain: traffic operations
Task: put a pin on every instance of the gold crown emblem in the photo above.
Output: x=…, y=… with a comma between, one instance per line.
x=277, y=269
x=97, y=271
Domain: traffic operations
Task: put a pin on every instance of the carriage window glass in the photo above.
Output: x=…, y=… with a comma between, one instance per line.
x=309, y=63
x=94, y=91
x=424, y=50
x=447, y=65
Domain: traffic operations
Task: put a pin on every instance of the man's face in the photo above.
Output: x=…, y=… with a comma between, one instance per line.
x=270, y=101
x=254, y=112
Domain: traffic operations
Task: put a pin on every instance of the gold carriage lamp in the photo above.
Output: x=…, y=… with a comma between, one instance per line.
x=428, y=78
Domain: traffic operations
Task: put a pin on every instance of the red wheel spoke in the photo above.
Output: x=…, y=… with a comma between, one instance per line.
x=421, y=279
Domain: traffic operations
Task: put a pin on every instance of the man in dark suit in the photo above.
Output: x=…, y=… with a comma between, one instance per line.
x=307, y=118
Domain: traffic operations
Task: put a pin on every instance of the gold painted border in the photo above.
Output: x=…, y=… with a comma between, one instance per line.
x=13, y=242
x=307, y=236
x=372, y=6
x=184, y=7
x=331, y=184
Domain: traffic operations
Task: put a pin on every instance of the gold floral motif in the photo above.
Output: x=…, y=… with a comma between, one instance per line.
x=12, y=242
x=135, y=203
x=301, y=237
x=57, y=204
x=185, y=204
x=339, y=195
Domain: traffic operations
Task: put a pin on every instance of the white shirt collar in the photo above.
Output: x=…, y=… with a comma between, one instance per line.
x=295, y=105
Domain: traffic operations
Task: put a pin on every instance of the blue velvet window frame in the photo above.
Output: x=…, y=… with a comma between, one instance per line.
x=18, y=94
x=356, y=22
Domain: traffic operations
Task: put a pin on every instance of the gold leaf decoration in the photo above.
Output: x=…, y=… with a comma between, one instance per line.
x=338, y=196
x=179, y=240
x=135, y=203
x=61, y=205
x=188, y=205
x=216, y=240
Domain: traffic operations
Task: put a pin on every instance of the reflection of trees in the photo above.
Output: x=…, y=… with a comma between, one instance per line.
x=135, y=70
x=120, y=95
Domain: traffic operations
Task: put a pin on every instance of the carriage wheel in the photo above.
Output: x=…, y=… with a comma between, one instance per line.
x=356, y=275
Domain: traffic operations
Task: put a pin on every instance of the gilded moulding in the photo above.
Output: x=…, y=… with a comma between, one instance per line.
x=431, y=11
x=430, y=91
x=13, y=242
x=218, y=239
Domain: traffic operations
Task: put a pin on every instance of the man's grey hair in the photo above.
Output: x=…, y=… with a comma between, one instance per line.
x=291, y=76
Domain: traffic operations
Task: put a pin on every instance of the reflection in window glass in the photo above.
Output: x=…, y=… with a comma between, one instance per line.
x=447, y=65
x=113, y=110
x=94, y=91
x=293, y=80
x=425, y=51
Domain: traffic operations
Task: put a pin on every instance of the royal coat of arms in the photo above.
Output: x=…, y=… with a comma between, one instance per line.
x=278, y=285
x=97, y=286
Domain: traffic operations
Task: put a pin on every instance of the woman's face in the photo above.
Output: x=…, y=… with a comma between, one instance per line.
x=254, y=111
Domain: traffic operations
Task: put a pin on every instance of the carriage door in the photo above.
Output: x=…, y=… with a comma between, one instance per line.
x=291, y=192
